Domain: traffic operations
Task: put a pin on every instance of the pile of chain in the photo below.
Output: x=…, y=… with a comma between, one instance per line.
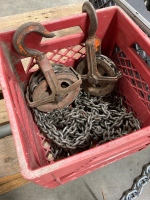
x=87, y=122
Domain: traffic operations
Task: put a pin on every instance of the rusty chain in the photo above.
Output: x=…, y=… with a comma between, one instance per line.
x=87, y=121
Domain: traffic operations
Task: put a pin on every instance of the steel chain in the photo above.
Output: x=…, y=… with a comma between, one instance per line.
x=138, y=184
x=87, y=122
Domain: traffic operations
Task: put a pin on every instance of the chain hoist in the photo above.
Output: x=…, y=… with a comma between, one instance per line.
x=99, y=74
x=72, y=118
x=76, y=119
x=55, y=90
x=88, y=121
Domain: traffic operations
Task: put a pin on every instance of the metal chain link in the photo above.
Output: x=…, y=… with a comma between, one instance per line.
x=87, y=122
x=138, y=184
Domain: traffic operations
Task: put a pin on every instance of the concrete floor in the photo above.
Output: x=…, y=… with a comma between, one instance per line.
x=107, y=183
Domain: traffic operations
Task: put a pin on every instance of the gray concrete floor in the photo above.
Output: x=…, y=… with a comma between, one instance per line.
x=107, y=183
x=110, y=180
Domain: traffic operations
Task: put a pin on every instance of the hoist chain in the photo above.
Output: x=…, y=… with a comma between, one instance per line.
x=86, y=122
x=138, y=184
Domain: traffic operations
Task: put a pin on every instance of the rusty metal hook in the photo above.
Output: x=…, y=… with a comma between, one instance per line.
x=63, y=86
x=98, y=73
x=22, y=32
x=90, y=10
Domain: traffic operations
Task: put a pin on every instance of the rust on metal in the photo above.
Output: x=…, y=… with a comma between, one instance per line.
x=22, y=32
x=62, y=99
x=99, y=73
x=56, y=90
x=89, y=9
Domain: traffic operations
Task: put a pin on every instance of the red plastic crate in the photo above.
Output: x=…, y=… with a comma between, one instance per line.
x=119, y=34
